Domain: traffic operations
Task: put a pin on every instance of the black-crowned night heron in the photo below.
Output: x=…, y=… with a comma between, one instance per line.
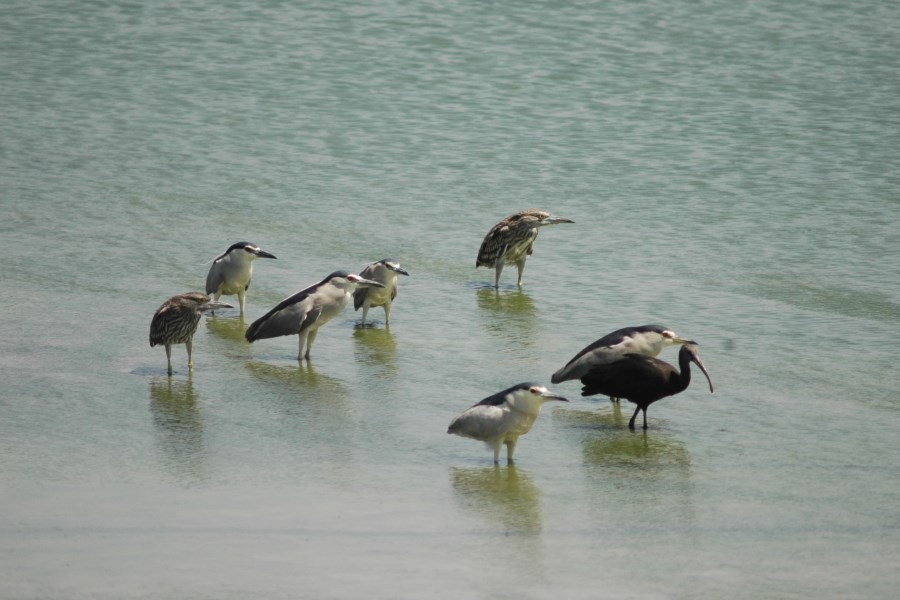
x=502, y=418
x=176, y=321
x=232, y=270
x=304, y=312
x=385, y=272
x=511, y=241
x=643, y=379
x=648, y=340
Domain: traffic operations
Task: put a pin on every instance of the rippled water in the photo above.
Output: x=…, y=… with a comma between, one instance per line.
x=732, y=172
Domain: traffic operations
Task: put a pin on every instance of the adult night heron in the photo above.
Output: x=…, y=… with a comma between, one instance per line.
x=643, y=379
x=303, y=313
x=647, y=340
x=385, y=272
x=232, y=270
x=511, y=240
x=502, y=418
x=176, y=321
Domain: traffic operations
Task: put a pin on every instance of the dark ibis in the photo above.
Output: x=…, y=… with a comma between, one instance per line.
x=643, y=380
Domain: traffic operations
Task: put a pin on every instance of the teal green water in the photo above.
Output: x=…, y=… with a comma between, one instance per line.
x=732, y=171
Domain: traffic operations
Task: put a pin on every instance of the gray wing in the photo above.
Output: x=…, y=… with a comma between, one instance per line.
x=290, y=317
x=589, y=358
x=360, y=294
x=478, y=422
x=215, y=277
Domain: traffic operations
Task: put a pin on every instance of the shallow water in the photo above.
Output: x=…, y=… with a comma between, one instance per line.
x=731, y=170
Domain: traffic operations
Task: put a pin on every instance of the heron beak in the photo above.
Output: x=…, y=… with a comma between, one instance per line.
x=696, y=360
x=399, y=270
x=264, y=254
x=551, y=396
x=553, y=220
x=215, y=304
x=368, y=283
x=681, y=340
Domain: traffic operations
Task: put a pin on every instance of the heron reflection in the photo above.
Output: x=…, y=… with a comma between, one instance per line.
x=179, y=426
x=376, y=348
x=505, y=496
x=510, y=316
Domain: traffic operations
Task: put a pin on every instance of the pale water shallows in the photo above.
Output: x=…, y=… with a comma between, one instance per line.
x=732, y=172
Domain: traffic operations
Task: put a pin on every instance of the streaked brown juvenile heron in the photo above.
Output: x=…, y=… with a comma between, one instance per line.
x=176, y=321
x=502, y=418
x=643, y=379
x=511, y=241
x=385, y=272
x=304, y=312
x=232, y=270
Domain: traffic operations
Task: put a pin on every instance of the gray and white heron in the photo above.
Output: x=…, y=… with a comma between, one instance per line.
x=500, y=419
x=176, y=321
x=643, y=379
x=647, y=340
x=232, y=270
x=306, y=311
x=511, y=241
x=385, y=272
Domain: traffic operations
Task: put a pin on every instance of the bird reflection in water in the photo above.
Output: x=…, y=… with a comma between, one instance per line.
x=227, y=328
x=179, y=427
x=509, y=315
x=505, y=496
x=376, y=348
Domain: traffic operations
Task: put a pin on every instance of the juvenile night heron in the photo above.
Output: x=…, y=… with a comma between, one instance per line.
x=303, y=313
x=648, y=340
x=643, y=379
x=502, y=418
x=385, y=272
x=176, y=321
x=511, y=241
x=232, y=270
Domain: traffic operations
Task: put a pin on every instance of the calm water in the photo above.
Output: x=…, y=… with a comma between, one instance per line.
x=733, y=173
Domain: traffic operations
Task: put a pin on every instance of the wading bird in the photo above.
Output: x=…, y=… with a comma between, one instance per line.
x=176, y=321
x=232, y=270
x=643, y=379
x=648, y=340
x=303, y=313
x=502, y=418
x=511, y=241
x=385, y=272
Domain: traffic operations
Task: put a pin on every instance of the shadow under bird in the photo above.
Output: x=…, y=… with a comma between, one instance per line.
x=232, y=270
x=385, y=272
x=500, y=419
x=176, y=321
x=643, y=379
x=307, y=310
x=511, y=241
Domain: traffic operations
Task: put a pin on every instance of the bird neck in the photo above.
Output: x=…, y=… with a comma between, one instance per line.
x=684, y=377
x=527, y=405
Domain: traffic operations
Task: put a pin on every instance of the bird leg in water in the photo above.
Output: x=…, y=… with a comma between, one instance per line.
x=169, y=357
x=498, y=269
x=190, y=362
x=510, y=448
x=520, y=265
x=496, y=446
x=634, y=416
